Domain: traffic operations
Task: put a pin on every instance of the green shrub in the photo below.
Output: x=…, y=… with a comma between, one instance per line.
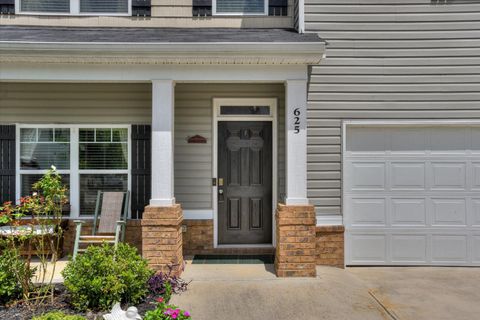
x=57, y=315
x=103, y=276
x=14, y=272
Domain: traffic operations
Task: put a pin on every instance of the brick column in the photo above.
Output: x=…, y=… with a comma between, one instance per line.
x=295, y=252
x=162, y=237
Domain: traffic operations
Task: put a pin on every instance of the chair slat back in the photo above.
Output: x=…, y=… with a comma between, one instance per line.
x=111, y=211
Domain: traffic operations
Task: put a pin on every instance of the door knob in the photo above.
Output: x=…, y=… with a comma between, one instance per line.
x=220, y=191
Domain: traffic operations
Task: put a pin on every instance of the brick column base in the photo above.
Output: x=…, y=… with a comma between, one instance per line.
x=162, y=237
x=330, y=246
x=295, y=252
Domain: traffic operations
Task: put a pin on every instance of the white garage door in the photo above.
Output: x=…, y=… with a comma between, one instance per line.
x=412, y=195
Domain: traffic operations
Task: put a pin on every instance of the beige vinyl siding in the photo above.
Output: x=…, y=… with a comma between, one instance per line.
x=75, y=103
x=130, y=103
x=386, y=59
x=193, y=115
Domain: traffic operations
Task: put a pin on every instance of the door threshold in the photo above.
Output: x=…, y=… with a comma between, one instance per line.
x=233, y=246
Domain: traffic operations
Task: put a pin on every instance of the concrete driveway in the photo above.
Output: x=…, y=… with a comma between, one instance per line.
x=253, y=292
x=424, y=293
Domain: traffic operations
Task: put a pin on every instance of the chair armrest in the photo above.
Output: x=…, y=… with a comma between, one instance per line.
x=121, y=222
x=79, y=222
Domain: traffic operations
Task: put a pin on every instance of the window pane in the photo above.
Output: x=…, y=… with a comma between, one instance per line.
x=45, y=135
x=104, y=6
x=91, y=183
x=62, y=135
x=28, y=134
x=240, y=6
x=104, y=135
x=99, y=155
x=44, y=154
x=87, y=135
x=45, y=5
x=245, y=110
x=27, y=180
x=120, y=135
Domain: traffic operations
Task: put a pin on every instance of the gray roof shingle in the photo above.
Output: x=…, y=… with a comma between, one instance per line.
x=150, y=35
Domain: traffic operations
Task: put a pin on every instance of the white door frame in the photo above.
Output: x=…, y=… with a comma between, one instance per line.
x=272, y=117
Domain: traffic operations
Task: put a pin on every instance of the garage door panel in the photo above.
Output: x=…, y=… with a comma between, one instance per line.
x=475, y=212
x=366, y=140
x=408, y=212
x=448, y=140
x=368, y=248
x=449, y=212
x=448, y=175
x=367, y=212
x=476, y=249
x=408, y=248
x=417, y=201
x=475, y=174
x=408, y=141
x=367, y=176
x=449, y=248
x=407, y=176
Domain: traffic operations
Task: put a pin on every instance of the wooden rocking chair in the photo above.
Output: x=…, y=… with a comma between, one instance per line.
x=111, y=215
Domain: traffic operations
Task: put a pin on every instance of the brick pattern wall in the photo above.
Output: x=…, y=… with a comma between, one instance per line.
x=296, y=244
x=198, y=237
x=330, y=246
x=162, y=237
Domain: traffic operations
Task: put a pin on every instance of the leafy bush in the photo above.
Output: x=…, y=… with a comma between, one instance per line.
x=166, y=312
x=103, y=276
x=14, y=274
x=57, y=315
x=166, y=284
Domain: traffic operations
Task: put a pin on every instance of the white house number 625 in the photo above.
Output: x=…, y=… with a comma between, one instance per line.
x=296, y=118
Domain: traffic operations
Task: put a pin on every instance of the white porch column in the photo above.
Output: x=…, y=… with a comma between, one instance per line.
x=162, y=142
x=296, y=142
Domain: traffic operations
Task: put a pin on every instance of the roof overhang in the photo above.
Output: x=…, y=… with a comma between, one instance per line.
x=205, y=53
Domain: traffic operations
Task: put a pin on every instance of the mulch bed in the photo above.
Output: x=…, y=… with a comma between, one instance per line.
x=21, y=311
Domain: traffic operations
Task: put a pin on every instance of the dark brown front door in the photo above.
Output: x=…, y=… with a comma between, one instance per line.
x=244, y=182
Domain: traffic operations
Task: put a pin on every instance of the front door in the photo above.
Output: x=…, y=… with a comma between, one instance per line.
x=244, y=182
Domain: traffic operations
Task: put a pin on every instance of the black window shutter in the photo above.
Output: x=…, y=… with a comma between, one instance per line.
x=141, y=8
x=7, y=163
x=278, y=7
x=141, y=169
x=201, y=8
x=7, y=7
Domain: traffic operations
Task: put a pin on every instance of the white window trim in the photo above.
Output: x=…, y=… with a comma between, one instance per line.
x=74, y=170
x=74, y=11
x=215, y=13
x=272, y=103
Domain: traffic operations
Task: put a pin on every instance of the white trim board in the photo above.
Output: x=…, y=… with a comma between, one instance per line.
x=145, y=73
x=198, y=214
x=217, y=102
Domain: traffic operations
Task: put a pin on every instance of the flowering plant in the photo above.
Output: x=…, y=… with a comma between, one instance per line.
x=166, y=312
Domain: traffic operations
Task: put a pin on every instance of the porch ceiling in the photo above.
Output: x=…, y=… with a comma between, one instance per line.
x=159, y=46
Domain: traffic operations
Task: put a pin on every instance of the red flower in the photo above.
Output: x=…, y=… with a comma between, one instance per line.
x=160, y=300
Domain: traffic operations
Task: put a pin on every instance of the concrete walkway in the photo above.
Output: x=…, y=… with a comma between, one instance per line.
x=253, y=292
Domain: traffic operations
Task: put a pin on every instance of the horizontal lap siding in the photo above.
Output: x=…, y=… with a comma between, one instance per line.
x=75, y=103
x=386, y=59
